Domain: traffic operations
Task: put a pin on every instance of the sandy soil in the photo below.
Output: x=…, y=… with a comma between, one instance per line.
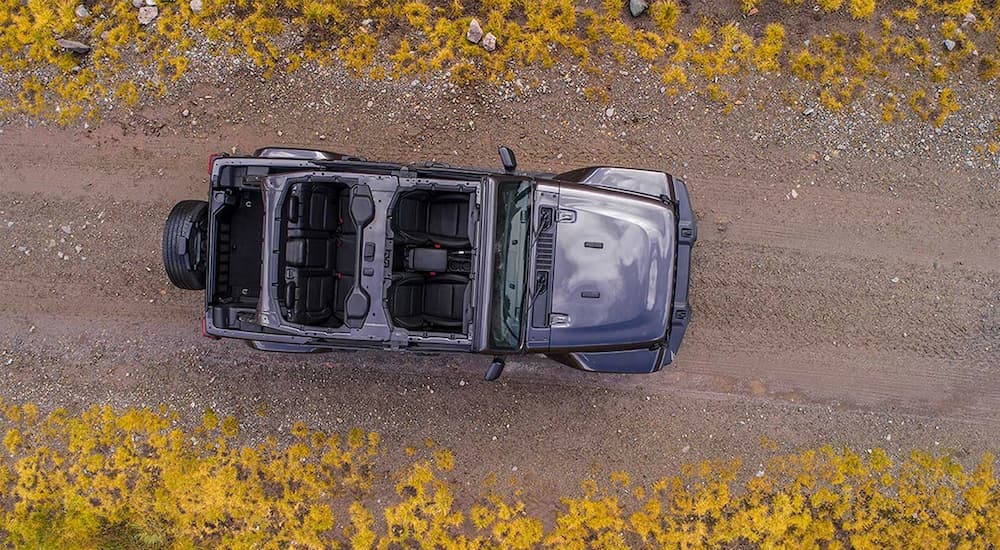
x=863, y=311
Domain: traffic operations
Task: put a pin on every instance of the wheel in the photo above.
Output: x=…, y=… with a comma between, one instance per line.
x=185, y=243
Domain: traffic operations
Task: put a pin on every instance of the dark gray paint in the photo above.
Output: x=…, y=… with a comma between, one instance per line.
x=632, y=272
x=622, y=236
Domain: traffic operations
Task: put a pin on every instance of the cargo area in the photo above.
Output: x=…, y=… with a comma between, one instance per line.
x=239, y=225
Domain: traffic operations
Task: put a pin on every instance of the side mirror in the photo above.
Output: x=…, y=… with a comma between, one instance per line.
x=495, y=368
x=508, y=159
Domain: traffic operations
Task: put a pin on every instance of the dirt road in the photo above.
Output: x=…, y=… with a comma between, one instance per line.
x=845, y=291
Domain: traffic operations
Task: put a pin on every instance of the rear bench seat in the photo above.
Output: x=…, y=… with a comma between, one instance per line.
x=319, y=253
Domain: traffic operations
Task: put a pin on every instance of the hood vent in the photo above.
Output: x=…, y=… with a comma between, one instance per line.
x=544, y=251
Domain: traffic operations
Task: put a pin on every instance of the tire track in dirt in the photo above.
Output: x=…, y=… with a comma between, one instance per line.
x=786, y=298
x=847, y=223
x=80, y=301
x=871, y=381
x=853, y=378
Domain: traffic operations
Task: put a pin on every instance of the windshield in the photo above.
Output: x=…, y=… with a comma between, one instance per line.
x=510, y=261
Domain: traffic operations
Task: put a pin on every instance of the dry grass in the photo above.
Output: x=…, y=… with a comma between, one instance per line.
x=138, y=479
x=420, y=36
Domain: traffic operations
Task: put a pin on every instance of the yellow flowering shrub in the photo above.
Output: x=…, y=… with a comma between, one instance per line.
x=830, y=5
x=861, y=9
x=765, y=55
x=139, y=478
x=383, y=39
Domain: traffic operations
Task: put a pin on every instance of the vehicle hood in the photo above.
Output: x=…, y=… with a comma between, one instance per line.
x=613, y=270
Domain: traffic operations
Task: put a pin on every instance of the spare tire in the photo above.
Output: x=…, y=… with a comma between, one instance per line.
x=185, y=244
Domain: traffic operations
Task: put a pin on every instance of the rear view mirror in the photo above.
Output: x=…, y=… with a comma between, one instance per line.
x=508, y=159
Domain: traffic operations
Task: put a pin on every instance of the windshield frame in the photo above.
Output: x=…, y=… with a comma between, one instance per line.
x=509, y=282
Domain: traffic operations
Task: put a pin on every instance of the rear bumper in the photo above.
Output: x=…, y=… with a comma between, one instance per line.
x=687, y=234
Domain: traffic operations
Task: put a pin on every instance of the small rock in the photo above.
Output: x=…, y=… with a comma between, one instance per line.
x=461, y=382
x=808, y=111
x=894, y=280
x=137, y=3
x=736, y=47
x=81, y=11
x=147, y=14
x=794, y=194
x=753, y=11
x=489, y=42
x=73, y=46
x=475, y=33
x=636, y=7
x=949, y=45
x=609, y=112
x=366, y=22
x=969, y=18
x=322, y=138
x=195, y=5
x=185, y=113
x=67, y=229
x=150, y=2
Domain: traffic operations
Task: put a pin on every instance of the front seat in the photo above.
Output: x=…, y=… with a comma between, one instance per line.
x=448, y=220
x=422, y=219
x=444, y=300
x=420, y=302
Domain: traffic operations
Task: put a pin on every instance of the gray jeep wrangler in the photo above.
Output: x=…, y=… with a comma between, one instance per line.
x=302, y=251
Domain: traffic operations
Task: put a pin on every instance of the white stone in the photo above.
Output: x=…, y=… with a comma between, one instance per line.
x=73, y=45
x=636, y=7
x=147, y=14
x=489, y=42
x=475, y=33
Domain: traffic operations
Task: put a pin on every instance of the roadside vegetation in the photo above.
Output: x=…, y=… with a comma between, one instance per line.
x=146, y=479
x=909, y=56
